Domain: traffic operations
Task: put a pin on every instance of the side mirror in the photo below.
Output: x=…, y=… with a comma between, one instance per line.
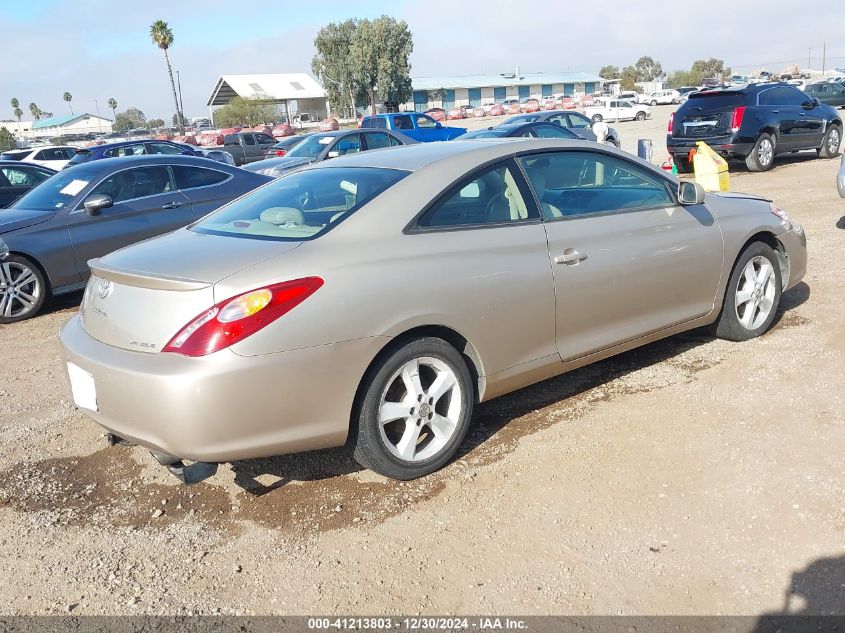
x=95, y=204
x=438, y=125
x=333, y=154
x=690, y=193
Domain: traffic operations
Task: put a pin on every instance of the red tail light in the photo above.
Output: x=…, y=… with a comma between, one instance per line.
x=736, y=122
x=671, y=123
x=281, y=152
x=240, y=316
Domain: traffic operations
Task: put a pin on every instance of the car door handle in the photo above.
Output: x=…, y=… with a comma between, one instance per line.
x=570, y=256
x=171, y=205
x=775, y=111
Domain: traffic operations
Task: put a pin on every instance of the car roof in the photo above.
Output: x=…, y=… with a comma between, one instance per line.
x=122, y=143
x=109, y=164
x=20, y=163
x=420, y=155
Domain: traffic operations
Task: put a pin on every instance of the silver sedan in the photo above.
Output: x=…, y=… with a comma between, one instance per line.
x=375, y=299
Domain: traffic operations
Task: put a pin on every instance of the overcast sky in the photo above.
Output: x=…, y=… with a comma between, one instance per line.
x=97, y=49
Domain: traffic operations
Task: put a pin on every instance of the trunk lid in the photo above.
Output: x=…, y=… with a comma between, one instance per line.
x=707, y=114
x=139, y=297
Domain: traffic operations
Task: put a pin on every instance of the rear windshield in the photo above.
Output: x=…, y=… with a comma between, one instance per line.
x=494, y=133
x=15, y=155
x=716, y=100
x=81, y=156
x=311, y=147
x=59, y=191
x=301, y=206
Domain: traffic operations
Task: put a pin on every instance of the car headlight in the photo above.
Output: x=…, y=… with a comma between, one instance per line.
x=4, y=249
x=783, y=215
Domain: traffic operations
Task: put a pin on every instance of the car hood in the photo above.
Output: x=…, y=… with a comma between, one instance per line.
x=186, y=255
x=13, y=219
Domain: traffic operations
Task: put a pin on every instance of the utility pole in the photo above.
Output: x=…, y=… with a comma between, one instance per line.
x=809, y=57
x=824, y=57
x=181, y=113
x=99, y=120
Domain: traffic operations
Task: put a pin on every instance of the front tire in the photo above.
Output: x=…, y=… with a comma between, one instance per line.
x=653, y=103
x=831, y=142
x=752, y=296
x=640, y=116
x=416, y=407
x=597, y=118
x=23, y=289
x=762, y=156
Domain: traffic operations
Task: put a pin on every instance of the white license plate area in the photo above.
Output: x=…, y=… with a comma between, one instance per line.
x=82, y=387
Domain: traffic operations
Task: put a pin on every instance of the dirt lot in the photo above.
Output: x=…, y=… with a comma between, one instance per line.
x=693, y=476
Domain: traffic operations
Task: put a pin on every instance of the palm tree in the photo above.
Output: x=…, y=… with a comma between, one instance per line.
x=112, y=103
x=162, y=37
x=16, y=109
x=35, y=111
x=68, y=97
x=15, y=103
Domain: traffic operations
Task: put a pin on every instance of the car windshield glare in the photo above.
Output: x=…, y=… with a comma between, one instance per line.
x=301, y=206
x=59, y=191
x=311, y=147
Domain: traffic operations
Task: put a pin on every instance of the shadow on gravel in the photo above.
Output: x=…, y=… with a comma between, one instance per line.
x=841, y=223
x=325, y=490
x=781, y=160
x=816, y=590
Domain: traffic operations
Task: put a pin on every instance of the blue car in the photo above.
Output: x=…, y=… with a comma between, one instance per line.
x=420, y=127
x=129, y=148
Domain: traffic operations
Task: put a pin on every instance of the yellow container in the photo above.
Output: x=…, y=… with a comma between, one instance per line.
x=711, y=170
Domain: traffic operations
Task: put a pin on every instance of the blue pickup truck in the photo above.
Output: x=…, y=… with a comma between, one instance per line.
x=420, y=127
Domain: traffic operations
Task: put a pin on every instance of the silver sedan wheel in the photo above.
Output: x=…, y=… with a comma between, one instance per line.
x=19, y=289
x=420, y=409
x=755, y=293
x=765, y=152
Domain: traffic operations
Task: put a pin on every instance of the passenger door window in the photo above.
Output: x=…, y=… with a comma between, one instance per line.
x=425, y=122
x=377, y=140
x=164, y=148
x=577, y=120
x=347, y=145
x=574, y=184
x=493, y=197
x=403, y=122
x=127, y=150
x=249, y=139
x=141, y=182
x=23, y=177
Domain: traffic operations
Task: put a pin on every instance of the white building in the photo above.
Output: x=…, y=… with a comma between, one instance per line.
x=476, y=90
x=70, y=124
x=298, y=93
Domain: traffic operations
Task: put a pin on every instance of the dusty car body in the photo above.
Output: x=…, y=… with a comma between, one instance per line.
x=420, y=281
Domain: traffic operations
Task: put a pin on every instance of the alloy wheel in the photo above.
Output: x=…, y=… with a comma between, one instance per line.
x=755, y=293
x=420, y=409
x=19, y=289
x=833, y=141
x=765, y=152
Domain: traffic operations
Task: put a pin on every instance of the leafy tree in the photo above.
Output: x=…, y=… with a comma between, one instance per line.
x=648, y=69
x=156, y=123
x=178, y=120
x=162, y=36
x=333, y=66
x=609, y=72
x=129, y=119
x=240, y=111
x=68, y=97
x=701, y=69
x=629, y=77
x=7, y=140
x=35, y=111
x=380, y=50
x=112, y=103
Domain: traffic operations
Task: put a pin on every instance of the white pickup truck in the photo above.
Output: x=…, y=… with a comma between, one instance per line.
x=617, y=110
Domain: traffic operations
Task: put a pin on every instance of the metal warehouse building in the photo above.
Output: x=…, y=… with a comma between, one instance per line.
x=476, y=90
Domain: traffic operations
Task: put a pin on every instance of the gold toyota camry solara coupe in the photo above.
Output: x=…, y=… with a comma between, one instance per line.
x=375, y=299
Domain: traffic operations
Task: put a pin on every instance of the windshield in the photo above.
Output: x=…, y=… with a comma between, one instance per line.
x=59, y=191
x=81, y=156
x=494, y=133
x=300, y=206
x=311, y=147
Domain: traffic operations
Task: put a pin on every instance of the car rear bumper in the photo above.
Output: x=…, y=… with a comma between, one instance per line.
x=724, y=145
x=224, y=406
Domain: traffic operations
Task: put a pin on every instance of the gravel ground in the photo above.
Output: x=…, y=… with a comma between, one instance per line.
x=693, y=476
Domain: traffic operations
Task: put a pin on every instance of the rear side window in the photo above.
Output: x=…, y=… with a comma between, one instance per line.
x=126, y=150
x=377, y=140
x=164, y=148
x=493, y=197
x=782, y=96
x=249, y=139
x=140, y=182
x=193, y=177
x=81, y=156
x=576, y=120
x=403, y=123
x=21, y=177
x=301, y=206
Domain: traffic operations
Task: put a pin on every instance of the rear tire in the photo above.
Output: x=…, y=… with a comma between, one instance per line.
x=682, y=165
x=640, y=116
x=831, y=142
x=752, y=295
x=23, y=289
x=597, y=118
x=762, y=156
x=415, y=410
x=653, y=103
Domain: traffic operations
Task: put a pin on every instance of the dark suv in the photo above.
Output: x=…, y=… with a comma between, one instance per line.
x=753, y=123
